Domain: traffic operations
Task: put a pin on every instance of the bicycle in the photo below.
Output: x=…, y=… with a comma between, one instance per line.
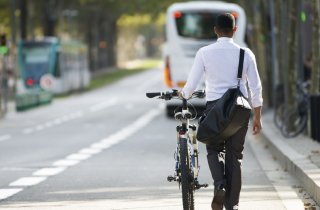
x=186, y=153
x=293, y=122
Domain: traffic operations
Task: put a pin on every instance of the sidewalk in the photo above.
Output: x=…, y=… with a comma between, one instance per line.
x=300, y=156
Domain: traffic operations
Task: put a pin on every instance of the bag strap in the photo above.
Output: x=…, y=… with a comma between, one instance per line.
x=240, y=66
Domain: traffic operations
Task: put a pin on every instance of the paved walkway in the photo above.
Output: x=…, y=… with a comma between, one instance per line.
x=300, y=155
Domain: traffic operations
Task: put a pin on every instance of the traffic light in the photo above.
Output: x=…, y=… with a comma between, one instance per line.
x=3, y=40
x=3, y=44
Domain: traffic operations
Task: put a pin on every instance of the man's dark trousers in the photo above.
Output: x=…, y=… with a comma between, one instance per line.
x=225, y=166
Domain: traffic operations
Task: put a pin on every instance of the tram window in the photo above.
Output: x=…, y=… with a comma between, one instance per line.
x=36, y=61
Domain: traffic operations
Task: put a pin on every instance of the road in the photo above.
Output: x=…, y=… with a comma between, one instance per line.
x=112, y=148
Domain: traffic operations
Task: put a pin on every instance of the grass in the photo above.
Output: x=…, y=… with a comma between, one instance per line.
x=118, y=74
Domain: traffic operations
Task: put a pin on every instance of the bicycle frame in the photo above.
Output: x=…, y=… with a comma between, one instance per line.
x=186, y=153
x=187, y=132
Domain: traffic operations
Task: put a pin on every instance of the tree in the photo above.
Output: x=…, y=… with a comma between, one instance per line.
x=315, y=75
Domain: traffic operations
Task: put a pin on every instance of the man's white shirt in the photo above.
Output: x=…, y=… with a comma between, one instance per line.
x=219, y=63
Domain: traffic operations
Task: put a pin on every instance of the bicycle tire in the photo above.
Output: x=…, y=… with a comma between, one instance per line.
x=191, y=191
x=298, y=123
x=187, y=191
x=278, y=116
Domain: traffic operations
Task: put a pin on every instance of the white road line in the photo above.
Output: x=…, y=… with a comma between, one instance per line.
x=65, y=162
x=6, y=193
x=78, y=156
x=39, y=127
x=48, y=124
x=128, y=106
x=57, y=121
x=100, y=145
x=5, y=137
x=103, y=105
x=28, y=130
x=27, y=181
x=150, y=82
x=90, y=151
x=49, y=171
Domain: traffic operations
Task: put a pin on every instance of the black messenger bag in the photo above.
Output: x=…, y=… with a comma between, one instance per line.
x=230, y=113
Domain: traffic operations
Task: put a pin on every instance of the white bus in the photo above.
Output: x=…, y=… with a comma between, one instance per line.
x=189, y=26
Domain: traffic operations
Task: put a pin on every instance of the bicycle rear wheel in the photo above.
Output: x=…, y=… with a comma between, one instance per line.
x=279, y=115
x=294, y=124
x=186, y=177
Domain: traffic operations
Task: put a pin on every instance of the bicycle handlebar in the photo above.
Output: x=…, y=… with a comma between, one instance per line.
x=174, y=93
x=152, y=95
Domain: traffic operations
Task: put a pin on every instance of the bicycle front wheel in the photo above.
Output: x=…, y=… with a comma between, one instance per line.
x=186, y=176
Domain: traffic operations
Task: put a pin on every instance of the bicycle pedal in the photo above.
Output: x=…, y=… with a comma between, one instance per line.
x=170, y=178
x=204, y=185
x=198, y=186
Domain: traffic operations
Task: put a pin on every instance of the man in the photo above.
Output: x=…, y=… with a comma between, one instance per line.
x=219, y=63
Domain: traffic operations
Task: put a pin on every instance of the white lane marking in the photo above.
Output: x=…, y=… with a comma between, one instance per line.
x=103, y=105
x=100, y=145
x=28, y=130
x=5, y=137
x=48, y=124
x=77, y=156
x=90, y=151
x=150, y=82
x=57, y=121
x=53, y=122
x=64, y=162
x=6, y=193
x=128, y=106
x=49, y=171
x=39, y=127
x=27, y=181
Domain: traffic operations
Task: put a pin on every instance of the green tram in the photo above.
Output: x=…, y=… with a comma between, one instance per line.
x=50, y=67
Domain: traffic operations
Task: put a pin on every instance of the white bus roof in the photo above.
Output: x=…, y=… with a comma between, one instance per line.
x=194, y=5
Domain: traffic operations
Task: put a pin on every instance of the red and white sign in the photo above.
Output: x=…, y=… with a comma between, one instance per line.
x=46, y=82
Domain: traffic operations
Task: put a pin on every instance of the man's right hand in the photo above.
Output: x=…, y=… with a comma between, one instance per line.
x=257, y=125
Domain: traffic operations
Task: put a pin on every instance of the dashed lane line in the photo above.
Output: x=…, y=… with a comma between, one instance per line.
x=27, y=181
x=103, y=105
x=53, y=122
x=5, y=137
x=5, y=193
x=83, y=154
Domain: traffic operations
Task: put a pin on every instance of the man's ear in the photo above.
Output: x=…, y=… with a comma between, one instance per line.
x=234, y=29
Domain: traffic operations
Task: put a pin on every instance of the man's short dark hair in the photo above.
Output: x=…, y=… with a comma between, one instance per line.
x=225, y=23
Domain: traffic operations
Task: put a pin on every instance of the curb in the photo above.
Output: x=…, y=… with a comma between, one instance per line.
x=300, y=166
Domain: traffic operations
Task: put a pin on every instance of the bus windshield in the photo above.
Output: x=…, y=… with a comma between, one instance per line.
x=196, y=24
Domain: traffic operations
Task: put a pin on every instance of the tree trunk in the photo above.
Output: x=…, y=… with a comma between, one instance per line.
x=315, y=75
x=292, y=44
x=23, y=19
x=111, y=38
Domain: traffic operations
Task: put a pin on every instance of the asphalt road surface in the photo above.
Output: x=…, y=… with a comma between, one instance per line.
x=113, y=148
